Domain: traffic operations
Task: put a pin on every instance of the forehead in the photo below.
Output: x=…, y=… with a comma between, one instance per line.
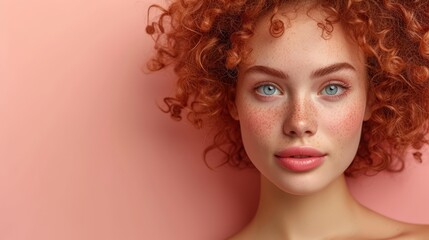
x=303, y=40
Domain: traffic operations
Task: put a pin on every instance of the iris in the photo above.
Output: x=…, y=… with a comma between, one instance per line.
x=331, y=89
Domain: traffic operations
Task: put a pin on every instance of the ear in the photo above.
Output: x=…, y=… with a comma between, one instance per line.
x=233, y=111
x=369, y=106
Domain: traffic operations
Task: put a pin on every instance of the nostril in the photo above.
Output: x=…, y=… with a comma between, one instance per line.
x=299, y=130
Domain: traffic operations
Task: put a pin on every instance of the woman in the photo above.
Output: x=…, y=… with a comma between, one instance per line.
x=307, y=92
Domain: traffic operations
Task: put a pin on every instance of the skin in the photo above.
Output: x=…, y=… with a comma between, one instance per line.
x=291, y=95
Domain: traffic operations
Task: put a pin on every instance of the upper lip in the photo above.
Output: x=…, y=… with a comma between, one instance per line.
x=300, y=151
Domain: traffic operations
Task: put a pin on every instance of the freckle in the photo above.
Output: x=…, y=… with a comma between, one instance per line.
x=346, y=121
x=353, y=118
x=264, y=120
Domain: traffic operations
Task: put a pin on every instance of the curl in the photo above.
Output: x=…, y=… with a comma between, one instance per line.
x=277, y=27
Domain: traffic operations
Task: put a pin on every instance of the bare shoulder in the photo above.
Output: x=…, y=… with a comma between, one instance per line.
x=417, y=232
x=377, y=226
x=414, y=232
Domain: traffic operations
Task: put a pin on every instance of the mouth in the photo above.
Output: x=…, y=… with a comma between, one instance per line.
x=300, y=152
x=300, y=159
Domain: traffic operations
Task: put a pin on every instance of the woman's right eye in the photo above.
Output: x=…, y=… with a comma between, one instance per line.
x=267, y=90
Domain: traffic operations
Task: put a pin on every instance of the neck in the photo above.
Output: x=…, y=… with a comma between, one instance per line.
x=311, y=216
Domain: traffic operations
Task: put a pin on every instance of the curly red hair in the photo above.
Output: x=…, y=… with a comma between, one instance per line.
x=206, y=41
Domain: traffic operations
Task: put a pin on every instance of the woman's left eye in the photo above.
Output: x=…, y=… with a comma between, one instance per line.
x=333, y=89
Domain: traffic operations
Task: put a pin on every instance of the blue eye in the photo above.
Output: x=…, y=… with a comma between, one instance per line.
x=268, y=90
x=332, y=89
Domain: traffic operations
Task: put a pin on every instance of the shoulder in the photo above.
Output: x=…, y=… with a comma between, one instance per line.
x=381, y=227
x=415, y=232
x=421, y=231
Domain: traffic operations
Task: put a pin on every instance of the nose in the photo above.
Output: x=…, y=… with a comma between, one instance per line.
x=301, y=119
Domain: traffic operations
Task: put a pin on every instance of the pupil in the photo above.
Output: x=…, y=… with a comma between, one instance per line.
x=269, y=90
x=332, y=89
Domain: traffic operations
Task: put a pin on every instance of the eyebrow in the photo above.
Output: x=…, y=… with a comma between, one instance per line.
x=315, y=74
x=267, y=70
x=331, y=69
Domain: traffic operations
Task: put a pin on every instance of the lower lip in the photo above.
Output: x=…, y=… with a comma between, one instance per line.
x=301, y=164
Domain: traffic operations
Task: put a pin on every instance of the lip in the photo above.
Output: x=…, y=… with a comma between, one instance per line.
x=300, y=159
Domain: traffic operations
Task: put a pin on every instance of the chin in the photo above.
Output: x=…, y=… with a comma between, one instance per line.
x=305, y=184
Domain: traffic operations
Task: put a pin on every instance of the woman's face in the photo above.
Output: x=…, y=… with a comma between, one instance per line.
x=301, y=103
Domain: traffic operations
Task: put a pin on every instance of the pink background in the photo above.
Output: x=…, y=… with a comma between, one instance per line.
x=86, y=154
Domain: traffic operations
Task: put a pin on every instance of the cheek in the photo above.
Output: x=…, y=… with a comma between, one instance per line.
x=347, y=122
x=258, y=121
